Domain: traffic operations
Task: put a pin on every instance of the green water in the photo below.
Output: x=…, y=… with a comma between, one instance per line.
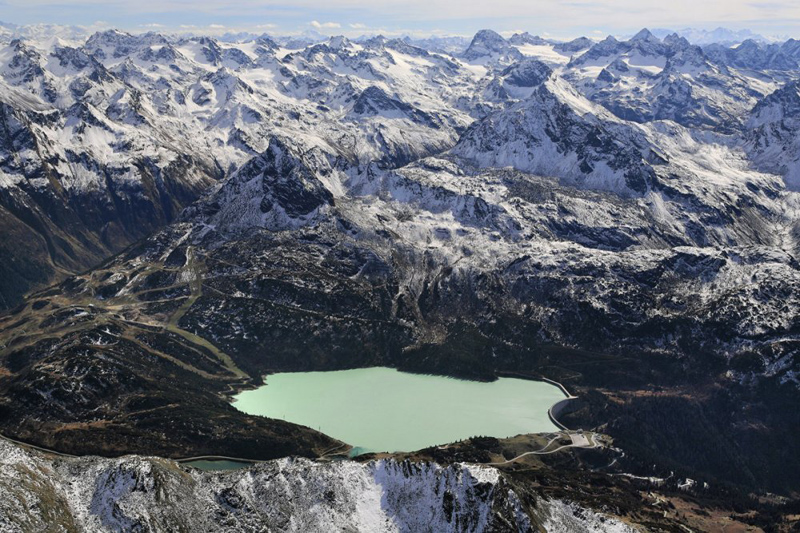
x=217, y=464
x=381, y=409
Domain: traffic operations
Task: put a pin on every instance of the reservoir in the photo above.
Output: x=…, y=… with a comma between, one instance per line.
x=382, y=409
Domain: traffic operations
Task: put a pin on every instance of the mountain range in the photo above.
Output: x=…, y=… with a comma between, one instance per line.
x=621, y=216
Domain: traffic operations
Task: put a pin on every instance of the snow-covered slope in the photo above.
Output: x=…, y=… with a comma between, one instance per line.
x=647, y=79
x=106, y=140
x=149, y=494
x=774, y=134
x=557, y=132
x=108, y=136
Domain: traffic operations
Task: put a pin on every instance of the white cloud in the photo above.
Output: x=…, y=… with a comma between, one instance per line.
x=152, y=25
x=216, y=26
x=325, y=25
x=358, y=26
x=266, y=26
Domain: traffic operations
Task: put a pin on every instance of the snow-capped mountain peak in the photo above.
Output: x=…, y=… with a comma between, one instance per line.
x=645, y=35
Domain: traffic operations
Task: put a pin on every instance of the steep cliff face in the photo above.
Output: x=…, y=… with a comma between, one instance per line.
x=277, y=190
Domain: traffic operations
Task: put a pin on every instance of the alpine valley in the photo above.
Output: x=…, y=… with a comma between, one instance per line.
x=181, y=216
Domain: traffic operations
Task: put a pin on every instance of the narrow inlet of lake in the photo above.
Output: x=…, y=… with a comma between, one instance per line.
x=381, y=409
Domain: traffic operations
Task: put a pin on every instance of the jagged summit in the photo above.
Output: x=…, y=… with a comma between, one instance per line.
x=575, y=45
x=278, y=190
x=338, y=42
x=527, y=38
x=645, y=35
x=554, y=125
x=527, y=73
x=489, y=44
x=489, y=38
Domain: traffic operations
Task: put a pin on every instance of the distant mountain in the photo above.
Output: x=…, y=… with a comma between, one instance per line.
x=42, y=32
x=722, y=36
x=303, y=40
x=674, y=80
x=490, y=45
x=453, y=45
x=754, y=55
x=576, y=45
x=527, y=38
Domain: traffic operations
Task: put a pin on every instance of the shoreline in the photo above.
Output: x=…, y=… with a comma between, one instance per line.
x=552, y=412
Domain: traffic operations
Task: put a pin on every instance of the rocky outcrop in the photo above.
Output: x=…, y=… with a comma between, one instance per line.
x=141, y=493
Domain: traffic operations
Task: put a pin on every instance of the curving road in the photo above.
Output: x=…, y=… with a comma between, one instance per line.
x=579, y=440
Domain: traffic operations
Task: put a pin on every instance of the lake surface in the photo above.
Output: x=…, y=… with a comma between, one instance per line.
x=381, y=409
x=217, y=464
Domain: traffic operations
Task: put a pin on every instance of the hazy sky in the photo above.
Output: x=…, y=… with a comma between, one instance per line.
x=544, y=17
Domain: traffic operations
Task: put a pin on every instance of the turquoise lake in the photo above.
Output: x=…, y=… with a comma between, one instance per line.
x=382, y=409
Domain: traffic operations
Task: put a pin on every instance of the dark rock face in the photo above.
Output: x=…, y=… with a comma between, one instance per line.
x=527, y=38
x=373, y=101
x=292, y=185
x=575, y=45
x=488, y=43
x=786, y=100
x=278, y=189
x=528, y=73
